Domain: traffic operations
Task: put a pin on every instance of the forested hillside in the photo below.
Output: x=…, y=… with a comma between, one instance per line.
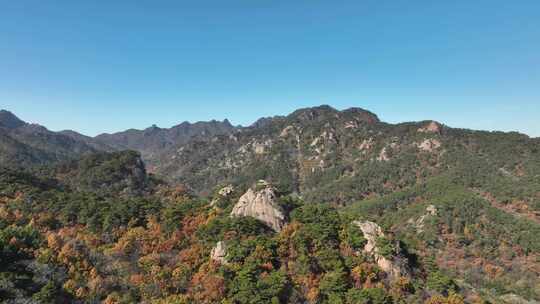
x=320, y=206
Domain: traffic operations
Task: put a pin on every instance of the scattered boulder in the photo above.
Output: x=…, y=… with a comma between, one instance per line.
x=395, y=266
x=260, y=203
x=219, y=253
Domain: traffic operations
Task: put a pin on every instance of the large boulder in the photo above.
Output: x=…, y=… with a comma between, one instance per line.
x=260, y=203
x=219, y=253
x=396, y=265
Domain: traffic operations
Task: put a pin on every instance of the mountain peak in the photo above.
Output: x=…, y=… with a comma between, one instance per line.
x=9, y=120
x=325, y=111
x=362, y=114
x=313, y=112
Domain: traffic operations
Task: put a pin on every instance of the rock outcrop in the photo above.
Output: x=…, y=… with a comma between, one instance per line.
x=261, y=204
x=226, y=191
x=429, y=145
x=366, y=145
x=383, y=155
x=223, y=193
x=432, y=127
x=418, y=224
x=219, y=253
x=396, y=265
x=286, y=131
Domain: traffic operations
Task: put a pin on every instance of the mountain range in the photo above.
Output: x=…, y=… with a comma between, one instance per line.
x=319, y=152
x=318, y=206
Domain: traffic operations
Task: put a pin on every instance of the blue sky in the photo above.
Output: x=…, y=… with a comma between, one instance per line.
x=105, y=66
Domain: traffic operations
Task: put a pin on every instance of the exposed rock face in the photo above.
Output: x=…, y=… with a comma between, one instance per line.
x=429, y=145
x=261, y=205
x=224, y=192
x=366, y=144
x=261, y=147
x=286, y=131
x=432, y=127
x=219, y=253
x=431, y=210
x=383, y=156
x=395, y=266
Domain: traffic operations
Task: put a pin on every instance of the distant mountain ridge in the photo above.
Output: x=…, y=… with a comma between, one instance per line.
x=154, y=139
x=320, y=152
x=9, y=121
x=32, y=144
x=27, y=144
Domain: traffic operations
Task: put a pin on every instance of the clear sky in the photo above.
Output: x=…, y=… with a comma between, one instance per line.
x=104, y=66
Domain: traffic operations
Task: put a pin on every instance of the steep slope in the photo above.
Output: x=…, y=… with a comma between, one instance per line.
x=97, y=145
x=320, y=153
x=154, y=140
x=343, y=156
x=281, y=149
x=428, y=214
x=26, y=145
x=59, y=145
x=61, y=245
x=16, y=154
x=117, y=173
x=494, y=251
x=9, y=121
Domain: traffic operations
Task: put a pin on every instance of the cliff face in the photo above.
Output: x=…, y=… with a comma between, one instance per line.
x=261, y=204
